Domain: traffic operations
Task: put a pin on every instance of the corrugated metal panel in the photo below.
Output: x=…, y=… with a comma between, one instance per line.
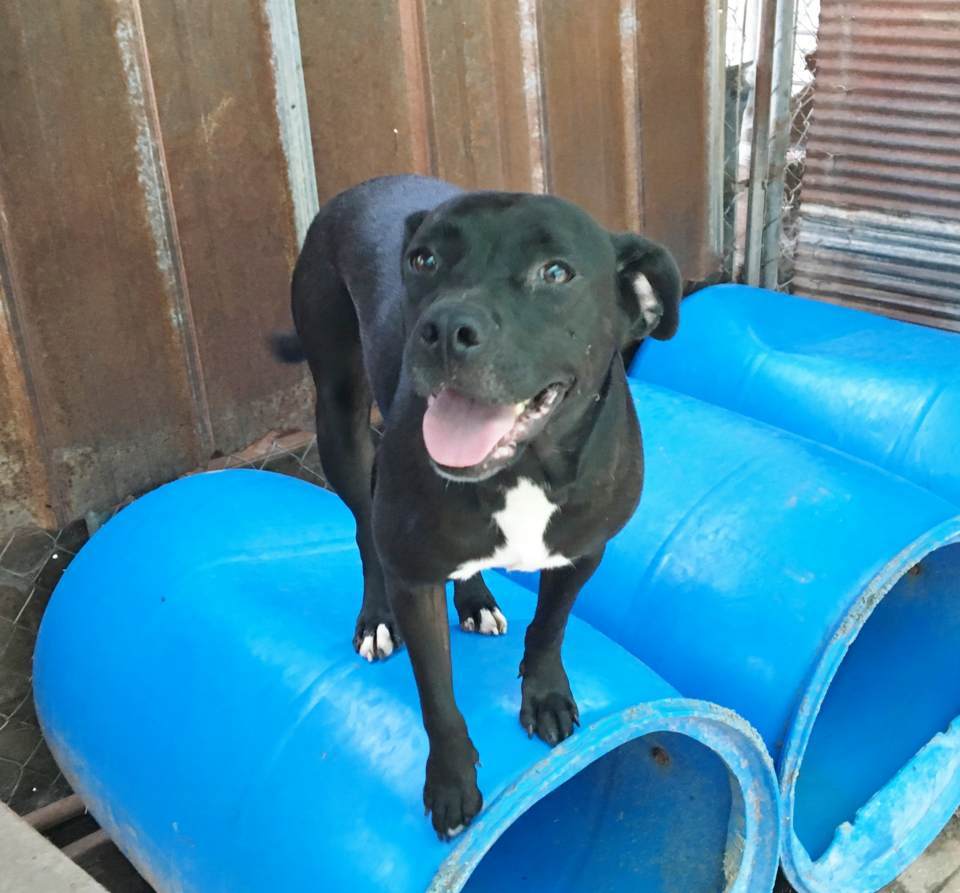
x=582, y=98
x=98, y=282
x=673, y=53
x=591, y=158
x=155, y=156
x=483, y=130
x=228, y=185
x=23, y=474
x=880, y=215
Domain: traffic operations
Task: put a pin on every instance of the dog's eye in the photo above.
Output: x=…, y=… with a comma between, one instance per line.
x=556, y=273
x=423, y=261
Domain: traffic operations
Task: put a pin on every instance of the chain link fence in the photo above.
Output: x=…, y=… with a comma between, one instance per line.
x=801, y=113
x=31, y=563
x=740, y=55
x=784, y=174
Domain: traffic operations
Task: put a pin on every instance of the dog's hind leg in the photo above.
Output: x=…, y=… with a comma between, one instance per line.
x=477, y=608
x=327, y=324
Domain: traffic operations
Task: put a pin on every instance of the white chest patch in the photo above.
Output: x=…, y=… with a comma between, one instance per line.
x=523, y=521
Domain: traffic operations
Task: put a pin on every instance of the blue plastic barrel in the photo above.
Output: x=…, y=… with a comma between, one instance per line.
x=195, y=680
x=880, y=389
x=819, y=597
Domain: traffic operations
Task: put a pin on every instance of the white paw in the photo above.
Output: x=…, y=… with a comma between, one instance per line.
x=453, y=832
x=384, y=640
x=377, y=647
x=492, y=623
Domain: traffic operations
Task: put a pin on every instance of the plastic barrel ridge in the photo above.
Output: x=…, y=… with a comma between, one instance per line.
x=195, y=681
x=819, y=597
x=876, y=388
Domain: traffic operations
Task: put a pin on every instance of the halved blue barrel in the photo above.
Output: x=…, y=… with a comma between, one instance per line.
x=819, y=597
x=195, y=680
x=883, y=390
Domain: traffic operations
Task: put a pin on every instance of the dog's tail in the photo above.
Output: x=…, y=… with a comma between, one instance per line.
x=286, y=347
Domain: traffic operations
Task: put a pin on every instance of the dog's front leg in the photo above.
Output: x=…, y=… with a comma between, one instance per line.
x=547, y=706
x=450, y=792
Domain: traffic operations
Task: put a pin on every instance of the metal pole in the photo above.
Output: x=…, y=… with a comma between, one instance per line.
x=760, y=149
x=783, y=53
x=47, y=817
x=716, y=36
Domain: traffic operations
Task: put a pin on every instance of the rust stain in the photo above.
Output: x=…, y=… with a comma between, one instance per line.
x=92, y=292
x=660, y=756
x=25, y=496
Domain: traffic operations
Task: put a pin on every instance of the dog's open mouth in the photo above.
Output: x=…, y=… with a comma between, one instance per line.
x=472, y=438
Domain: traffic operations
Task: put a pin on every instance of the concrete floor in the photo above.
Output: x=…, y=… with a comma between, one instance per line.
x=938, y=869
x=31, y=862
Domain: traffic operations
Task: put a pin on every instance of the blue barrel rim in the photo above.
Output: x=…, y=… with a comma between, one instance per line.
x=800, y=869
x=719, y=729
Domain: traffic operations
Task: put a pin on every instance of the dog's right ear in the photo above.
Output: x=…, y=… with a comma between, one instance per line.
x=411, y=225
x=650, y=287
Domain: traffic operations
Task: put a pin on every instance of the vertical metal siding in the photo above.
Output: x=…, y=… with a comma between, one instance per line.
x=880, y=215
x=674, y=122
x=228, y=180
x=157, y=171
x=97, y=280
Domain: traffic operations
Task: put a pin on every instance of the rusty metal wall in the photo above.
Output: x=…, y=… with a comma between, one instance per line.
x=605, y=102
x=152, y=191
x=880, y=212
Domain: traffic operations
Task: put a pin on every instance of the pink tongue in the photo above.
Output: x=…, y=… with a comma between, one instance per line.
x=460, y=432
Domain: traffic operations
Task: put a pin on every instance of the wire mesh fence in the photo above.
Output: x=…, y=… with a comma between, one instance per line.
x=31, y=563
x=740, y=50
x=802, y=91
x=783, y=175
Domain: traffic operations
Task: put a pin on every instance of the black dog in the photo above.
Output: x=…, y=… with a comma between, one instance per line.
x=488, y=327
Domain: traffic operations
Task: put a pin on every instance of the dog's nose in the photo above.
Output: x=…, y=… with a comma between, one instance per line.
x=457, y=329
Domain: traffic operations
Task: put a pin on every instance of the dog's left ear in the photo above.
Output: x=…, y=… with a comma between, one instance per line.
x=650, y=287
